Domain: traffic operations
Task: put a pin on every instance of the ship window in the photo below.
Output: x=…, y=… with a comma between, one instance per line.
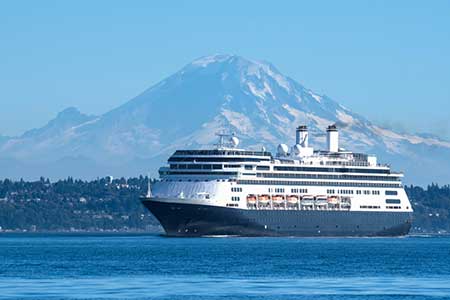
x=328, y=176
x=369, y=207
x=265, y=168
x=231, y=166
x=393, y=201
x=391, y=193
x=282, y=182
x=393, y=207
x=217, y=159
x=248, y=167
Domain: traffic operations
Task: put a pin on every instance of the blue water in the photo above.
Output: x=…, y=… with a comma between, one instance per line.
x=154, y=267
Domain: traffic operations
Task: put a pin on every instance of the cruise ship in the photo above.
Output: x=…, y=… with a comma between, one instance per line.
x=297, y=192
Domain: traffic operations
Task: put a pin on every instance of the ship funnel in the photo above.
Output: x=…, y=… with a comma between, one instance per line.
x=301, y=136
x=332, y=138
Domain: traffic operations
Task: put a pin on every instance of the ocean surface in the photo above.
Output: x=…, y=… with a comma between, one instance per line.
x=155, y=267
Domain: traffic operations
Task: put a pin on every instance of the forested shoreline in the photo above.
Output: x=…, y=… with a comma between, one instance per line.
x=112, y=205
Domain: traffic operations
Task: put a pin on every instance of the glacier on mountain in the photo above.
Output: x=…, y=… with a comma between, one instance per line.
x=213, y=93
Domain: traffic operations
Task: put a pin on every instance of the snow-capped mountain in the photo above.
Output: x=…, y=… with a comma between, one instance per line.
x=213, y=93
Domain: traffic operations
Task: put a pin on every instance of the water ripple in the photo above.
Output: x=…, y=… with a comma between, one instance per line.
x=152, y=267
x=160, y=287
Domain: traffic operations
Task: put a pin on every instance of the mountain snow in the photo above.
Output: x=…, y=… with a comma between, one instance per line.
x=213, y=93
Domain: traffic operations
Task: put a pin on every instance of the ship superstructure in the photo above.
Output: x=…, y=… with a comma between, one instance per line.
x=297, y=192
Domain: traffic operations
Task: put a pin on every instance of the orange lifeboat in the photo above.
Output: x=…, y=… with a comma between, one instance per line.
x=292, y=199
x=278, y=199
x=333, y=200
x=251, y=199
x=263, y=199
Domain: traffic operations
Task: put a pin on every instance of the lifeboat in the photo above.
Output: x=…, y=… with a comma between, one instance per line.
x=263, y=199
x=292, y=199
x=345, y=199
x=278, y=199
x=321, y=201
x=345, y=202
x=251, y=199
x=345, y=205
x=333, y=200
x=307, y=200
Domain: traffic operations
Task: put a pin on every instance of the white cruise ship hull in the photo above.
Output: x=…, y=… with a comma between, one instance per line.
x=188, y=220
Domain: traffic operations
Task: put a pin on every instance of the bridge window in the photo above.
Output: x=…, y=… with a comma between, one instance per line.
x=391, y=193
x=393, y=201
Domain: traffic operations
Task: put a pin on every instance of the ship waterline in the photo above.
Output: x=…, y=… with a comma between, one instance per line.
x=297, y=192
x=184, y=220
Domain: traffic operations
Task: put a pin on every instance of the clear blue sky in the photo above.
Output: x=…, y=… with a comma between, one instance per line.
x=388, y=60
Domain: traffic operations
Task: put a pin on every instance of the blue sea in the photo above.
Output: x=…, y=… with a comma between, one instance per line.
x=155, y=267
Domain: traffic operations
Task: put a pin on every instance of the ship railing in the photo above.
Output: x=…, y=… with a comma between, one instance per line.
x=280, y=202
x=328, y=163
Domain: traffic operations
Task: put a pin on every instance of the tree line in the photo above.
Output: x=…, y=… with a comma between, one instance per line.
x=107, y=204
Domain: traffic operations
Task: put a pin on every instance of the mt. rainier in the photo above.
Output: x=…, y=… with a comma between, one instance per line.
x=221, y=92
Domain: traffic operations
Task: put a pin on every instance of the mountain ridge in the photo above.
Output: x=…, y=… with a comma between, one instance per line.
x=212, y=93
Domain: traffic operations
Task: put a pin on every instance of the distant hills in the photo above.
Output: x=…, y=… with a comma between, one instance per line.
x=221, y=92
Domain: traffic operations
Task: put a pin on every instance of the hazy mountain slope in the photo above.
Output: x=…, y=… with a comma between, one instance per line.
x=58, y=138
x=212, y=93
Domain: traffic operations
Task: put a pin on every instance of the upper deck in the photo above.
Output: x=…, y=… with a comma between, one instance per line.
x=299, y=163
x=221, y=152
